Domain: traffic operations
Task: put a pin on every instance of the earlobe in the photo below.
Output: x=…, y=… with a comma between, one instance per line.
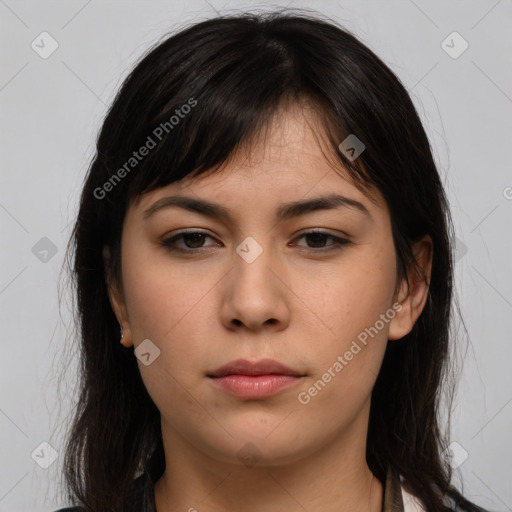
x=414, y=297
x=117, y=301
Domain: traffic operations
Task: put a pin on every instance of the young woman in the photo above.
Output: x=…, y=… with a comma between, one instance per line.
x=263, y=267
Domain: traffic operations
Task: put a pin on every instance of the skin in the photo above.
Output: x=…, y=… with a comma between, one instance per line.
x=205, y=310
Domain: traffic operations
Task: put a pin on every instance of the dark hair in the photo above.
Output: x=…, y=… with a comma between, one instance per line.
x=234, y=73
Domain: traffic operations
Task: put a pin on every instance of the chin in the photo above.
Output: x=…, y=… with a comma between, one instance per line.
x=251, y=447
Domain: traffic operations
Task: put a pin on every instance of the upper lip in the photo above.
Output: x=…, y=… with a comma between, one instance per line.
x=261, y=367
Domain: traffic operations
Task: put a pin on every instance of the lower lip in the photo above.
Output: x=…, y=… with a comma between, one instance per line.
x=255, y=386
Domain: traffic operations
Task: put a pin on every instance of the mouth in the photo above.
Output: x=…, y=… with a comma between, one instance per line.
x=254, y=380
x=253, y=369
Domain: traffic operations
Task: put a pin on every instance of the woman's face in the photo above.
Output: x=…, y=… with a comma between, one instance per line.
x=255, y=285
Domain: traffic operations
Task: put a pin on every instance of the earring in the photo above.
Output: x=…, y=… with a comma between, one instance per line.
x=122, y=335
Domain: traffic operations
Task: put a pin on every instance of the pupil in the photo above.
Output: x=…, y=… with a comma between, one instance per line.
x=317, y=237
x=197, y=237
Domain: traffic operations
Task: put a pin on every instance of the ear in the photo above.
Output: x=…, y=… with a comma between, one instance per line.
x=117, y=301
x=414, y=297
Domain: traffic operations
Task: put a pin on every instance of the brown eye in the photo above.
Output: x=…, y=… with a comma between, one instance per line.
x=317, y=239
x=193, y=240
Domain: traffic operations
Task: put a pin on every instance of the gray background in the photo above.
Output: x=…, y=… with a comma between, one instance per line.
x=52, y=108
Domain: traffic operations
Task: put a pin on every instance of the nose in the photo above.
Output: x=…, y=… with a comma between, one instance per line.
x=256, y=294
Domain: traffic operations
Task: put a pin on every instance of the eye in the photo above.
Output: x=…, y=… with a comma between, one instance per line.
x=193, y=241
x=318, y=238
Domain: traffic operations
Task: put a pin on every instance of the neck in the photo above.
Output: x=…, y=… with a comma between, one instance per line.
x=335, y=478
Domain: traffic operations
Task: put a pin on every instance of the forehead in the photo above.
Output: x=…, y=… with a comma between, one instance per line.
x=288, y=159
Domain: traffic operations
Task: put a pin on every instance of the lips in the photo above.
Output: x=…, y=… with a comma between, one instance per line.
x=261, y=367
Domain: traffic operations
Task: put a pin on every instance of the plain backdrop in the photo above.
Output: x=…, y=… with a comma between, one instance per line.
x=52, y=108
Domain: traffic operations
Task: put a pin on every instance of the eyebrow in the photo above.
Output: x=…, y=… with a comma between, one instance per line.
x=284, y=212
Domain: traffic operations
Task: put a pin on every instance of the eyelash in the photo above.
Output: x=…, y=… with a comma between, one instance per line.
x=338, y=242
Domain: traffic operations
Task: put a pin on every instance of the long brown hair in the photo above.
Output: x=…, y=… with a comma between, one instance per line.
x=234, y=72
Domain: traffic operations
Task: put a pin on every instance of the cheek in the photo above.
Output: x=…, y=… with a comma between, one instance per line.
x=161, y=294
x=170, y=304
x=346, y=359
x=164, y=302
x=349, y=297
x=352, y=306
